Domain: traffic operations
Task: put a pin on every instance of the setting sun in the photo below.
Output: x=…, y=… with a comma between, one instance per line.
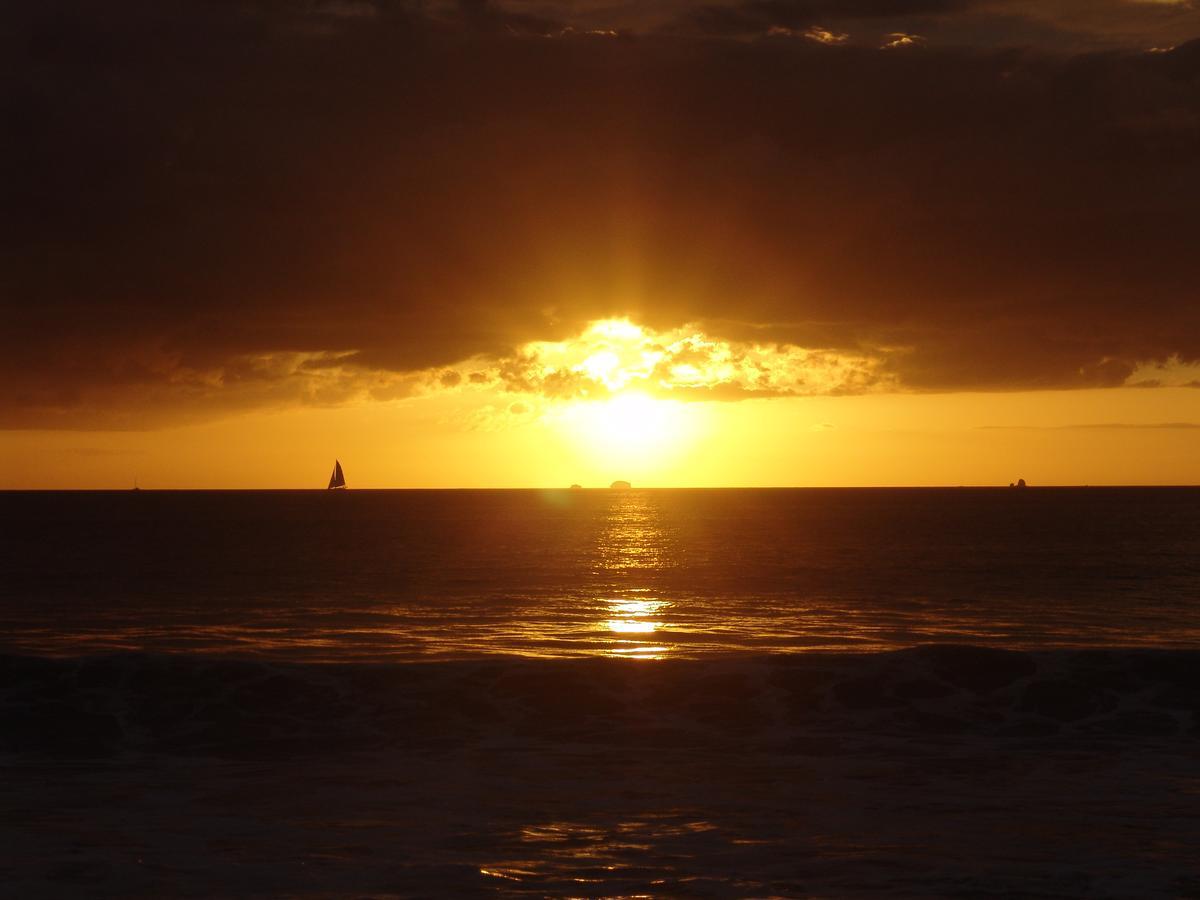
x=630, y=427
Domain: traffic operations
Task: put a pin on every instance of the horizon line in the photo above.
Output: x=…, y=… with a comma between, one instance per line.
x=605, y=488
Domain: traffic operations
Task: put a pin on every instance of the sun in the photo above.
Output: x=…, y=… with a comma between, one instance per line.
x=619, y=414
x=631, y=427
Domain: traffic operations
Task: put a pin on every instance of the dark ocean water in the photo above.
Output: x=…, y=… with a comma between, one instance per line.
x=828, y=693
x=410, y=575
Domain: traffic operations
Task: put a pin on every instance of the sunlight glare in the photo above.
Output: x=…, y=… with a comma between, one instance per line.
x=631, y=426
x=630, y=626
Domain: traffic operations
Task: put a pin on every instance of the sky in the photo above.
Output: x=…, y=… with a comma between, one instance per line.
x=529, y=244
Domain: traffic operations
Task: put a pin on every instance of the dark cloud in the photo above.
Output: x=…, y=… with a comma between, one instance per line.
x=356, y=191
x=1060, y=25
x=760, y=16
x=482, y=15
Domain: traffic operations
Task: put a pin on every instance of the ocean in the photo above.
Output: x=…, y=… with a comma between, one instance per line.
x=900, y=692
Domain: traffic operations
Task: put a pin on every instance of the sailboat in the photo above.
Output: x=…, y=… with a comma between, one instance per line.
x=337, y=481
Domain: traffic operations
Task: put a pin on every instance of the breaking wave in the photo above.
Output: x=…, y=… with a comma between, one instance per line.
x=802, y=703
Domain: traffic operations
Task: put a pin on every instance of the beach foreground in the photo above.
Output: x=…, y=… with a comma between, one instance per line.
x=934, y=771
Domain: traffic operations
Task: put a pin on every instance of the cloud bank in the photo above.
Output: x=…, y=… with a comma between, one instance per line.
x=230, y=206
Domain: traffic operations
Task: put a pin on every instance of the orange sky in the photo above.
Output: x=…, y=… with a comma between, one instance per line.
x=471, y=438
x=515, y=243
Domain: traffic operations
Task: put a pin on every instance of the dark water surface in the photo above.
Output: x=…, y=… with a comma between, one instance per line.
x=407, y=575
x=800, y=693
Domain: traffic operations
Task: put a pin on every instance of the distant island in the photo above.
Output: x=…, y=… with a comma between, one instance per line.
x=577, y=487
x=620, y=485
x=1020, y=483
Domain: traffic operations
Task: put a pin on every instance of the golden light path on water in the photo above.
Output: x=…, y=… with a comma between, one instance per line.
x=640, y=550
x=634, y=617
x=633, y=574
x=633, y=542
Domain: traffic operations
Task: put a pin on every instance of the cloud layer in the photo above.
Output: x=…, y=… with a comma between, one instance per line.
x=222, y=206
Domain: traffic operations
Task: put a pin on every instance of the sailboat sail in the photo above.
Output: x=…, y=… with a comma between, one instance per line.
x=337, y=479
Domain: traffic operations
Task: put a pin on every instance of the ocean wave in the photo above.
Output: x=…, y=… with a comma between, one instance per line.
x=802, y=703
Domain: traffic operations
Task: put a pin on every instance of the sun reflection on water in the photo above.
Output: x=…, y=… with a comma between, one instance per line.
x=640, y=651
x=633, y=541
x=550, y=857
x=626, y=626
x=640, y=607
x=632, y=538
x=629, y=616
x=631, y=619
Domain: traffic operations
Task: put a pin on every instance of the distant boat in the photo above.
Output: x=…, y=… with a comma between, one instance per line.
x=135, y=484
x=337, y=481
